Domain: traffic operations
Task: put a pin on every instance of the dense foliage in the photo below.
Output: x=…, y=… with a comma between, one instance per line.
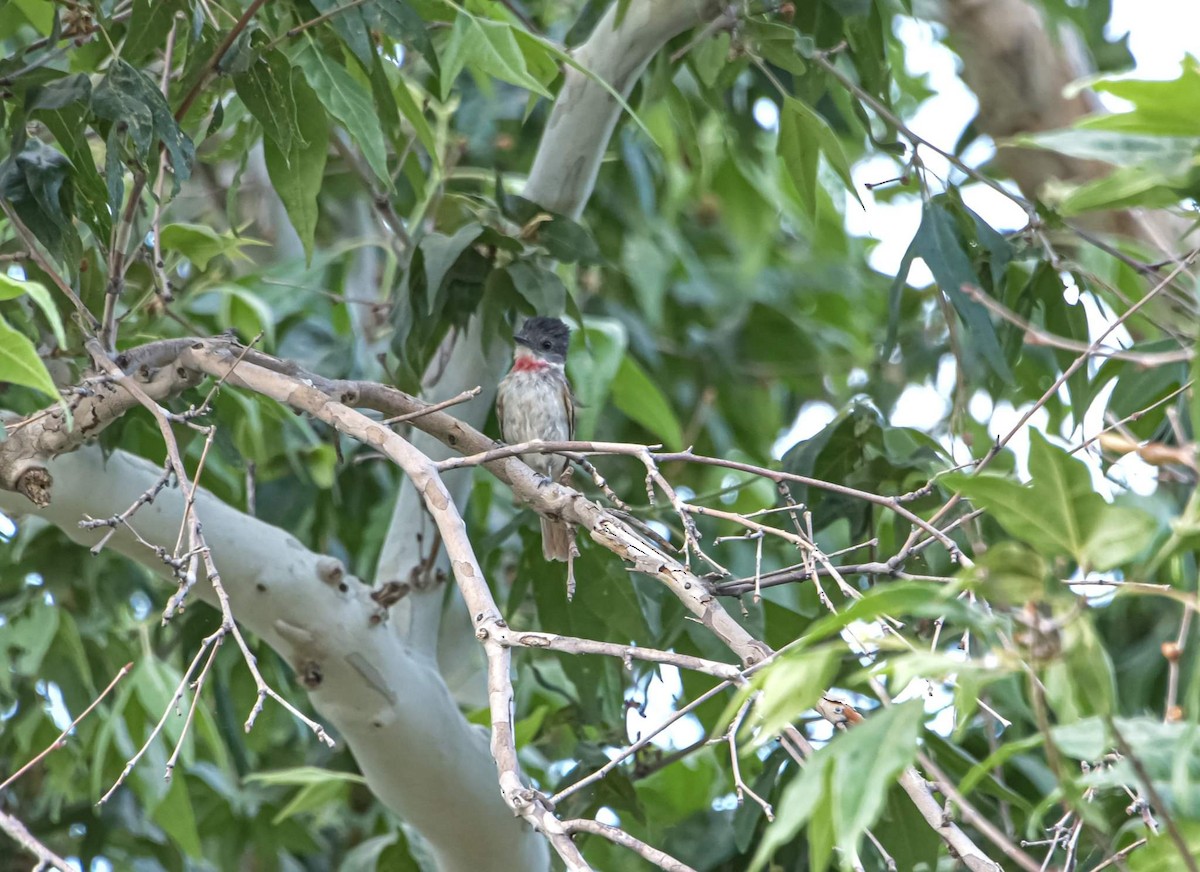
x=340, y=183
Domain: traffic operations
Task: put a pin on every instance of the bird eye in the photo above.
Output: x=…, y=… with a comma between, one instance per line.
x=546, y=345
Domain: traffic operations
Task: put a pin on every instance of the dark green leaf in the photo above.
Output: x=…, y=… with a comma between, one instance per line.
x=131, y=101
x=296, y=139
x=349, y=103
x=402, y=23
x=638, y=397
x=938, y=243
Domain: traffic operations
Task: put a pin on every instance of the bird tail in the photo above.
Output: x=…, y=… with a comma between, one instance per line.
x=558, y=540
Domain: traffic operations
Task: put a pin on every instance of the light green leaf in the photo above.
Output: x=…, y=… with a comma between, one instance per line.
x=595, y=356
x=20, y=364
x=11, y=288
x=1093, y=681
x=1122, y=188
x=200, y=244
x=348, y=102
x=411, y=111
x=639, y=398
x=40, y=14
x=796, y=805
x=1158, y=105
x=850, y=776
x=871, y=755
x=311, y=797
x=898, y=599
x=301, y=776
x=318, y=788
x=1169, y=154
x=1059, y=512
x=803, y=134
x=495, y=51
x=790, y=686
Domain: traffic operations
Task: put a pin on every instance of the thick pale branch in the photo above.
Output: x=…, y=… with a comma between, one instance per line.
x=585, y=113
x=419, y=755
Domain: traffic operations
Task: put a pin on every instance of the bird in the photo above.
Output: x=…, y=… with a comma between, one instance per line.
x=535, y=401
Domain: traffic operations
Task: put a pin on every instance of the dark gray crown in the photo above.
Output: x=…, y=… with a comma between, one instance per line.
x=546, y=337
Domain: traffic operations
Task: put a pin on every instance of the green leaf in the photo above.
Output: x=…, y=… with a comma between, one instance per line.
x=413, y=114
x=595, y=356
x=1161, y=852
x=1156, y=104
x=38, y=182
x=1093, y=678
x=850, y=777
x=871, y=755
x=149, y=25
x=790, y=686
x=59, y=94
x=350, y=23
x=177, y=818
x=540, y=286
x=127, y=97
x=803, y=794
x=296, y=139
x=349, y=103
x=564, y=240
x=200, y=243
x=1058, y=512
x=302, y=776
x=20, y=364
x=1009, y=573
x=11, y=288
x=1167, y=154
x=266, y=90
x=803, y=134
x=402, y=23
x=640, y=399
x=912, y=598
x=39, y=13
x=488, y=47
x=938, y=244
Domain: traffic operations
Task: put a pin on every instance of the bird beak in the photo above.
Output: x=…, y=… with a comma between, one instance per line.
x=521, y=340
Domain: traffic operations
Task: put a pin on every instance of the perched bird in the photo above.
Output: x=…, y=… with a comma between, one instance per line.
x=535, y=402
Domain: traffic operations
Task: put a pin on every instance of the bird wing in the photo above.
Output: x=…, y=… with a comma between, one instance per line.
x=500, y=406
x=569, y=403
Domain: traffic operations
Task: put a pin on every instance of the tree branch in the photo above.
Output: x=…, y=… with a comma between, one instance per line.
x=418, y=753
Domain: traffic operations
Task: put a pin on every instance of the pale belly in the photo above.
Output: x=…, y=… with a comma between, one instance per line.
x=533, y=409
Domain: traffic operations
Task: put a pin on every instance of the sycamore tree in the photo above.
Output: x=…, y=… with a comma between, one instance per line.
x=273, y=595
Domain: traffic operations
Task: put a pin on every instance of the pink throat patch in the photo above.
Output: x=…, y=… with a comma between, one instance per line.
x=529, y=363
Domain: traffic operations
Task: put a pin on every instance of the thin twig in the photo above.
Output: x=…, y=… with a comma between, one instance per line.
x=18, y=832
x=435, y=407
x=618, y=836
x=62, y=737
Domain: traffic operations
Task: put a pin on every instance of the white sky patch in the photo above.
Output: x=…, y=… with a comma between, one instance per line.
x=810, y=420
x=661, y=694
x=766, y=113
x=1090, y=587
x=921, y=407
x=1160, y=32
